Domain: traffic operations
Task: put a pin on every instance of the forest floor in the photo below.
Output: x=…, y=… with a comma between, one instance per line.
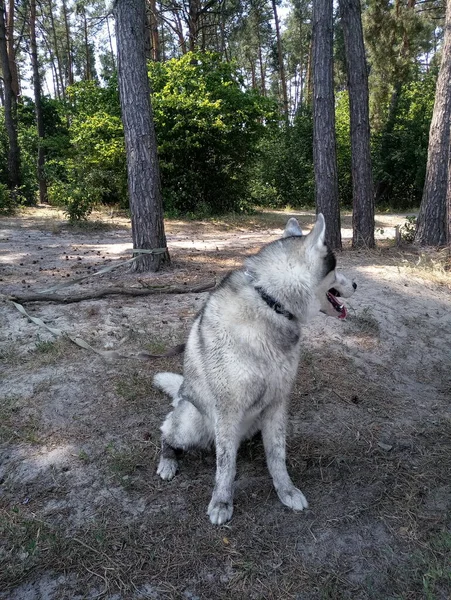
x=83, y=514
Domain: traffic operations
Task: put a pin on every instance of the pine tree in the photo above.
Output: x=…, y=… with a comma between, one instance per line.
x=432, y=224
x=324, y=145
x=362, y=178
x=145, y=199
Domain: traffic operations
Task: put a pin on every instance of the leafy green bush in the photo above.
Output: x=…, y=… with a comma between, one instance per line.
x=343, y=137
x=408, y=229
x=400, y=153
x=208, y=130
x=7, y=201
x=91, y=168
x=283, y=174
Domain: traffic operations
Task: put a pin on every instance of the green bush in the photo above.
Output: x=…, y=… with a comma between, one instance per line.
x=8, y=202
x=208, y=129
x=400, y=154
x=89, y=168
x=283, y=174
x=343, y=137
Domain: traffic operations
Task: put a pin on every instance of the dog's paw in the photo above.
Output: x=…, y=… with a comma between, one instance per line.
x=293, y=498
x=220, y=512
x=167, y=468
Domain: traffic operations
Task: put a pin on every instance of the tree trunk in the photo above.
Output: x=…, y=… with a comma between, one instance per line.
x=362, y=177
x=431, y=224
x=57, y=53
x=282, y=77
x=70, y=66
x=10, y=107
x=38, y=105
x=154, y=37
x=146, y=205
x=88, y=76
x=193, y=24
x=324, y=145
x=11, y=50
x=110, y=41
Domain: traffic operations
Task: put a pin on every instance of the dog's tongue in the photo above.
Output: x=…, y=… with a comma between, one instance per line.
x=338, y=306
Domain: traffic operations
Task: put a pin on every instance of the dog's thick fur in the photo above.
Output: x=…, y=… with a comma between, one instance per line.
x=241, y=359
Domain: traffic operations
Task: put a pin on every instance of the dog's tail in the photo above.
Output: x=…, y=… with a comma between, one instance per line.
x=169, y=383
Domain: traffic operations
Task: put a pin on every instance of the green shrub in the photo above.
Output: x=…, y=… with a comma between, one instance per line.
x=283, y=174
x=208, y=129
x=8, y=202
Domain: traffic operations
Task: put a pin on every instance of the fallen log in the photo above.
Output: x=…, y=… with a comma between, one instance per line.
x=66, y=299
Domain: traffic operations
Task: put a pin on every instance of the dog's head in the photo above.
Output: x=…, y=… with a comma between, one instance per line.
x=330, y=284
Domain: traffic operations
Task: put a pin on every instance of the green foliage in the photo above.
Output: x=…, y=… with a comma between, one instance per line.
x=400, y=153
x=283, y=175
x=343, y=137
x=91, y=168
x=208, y=130
x=408, y=229
x=7, y=201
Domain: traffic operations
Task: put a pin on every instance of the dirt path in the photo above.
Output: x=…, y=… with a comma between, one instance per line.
x=83, y=514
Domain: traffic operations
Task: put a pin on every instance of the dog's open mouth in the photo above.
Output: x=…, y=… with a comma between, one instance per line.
x=338, y=306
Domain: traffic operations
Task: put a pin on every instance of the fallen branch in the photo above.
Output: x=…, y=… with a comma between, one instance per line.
x=112, y=291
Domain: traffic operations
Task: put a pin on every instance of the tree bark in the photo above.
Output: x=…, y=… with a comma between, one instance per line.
x=283, y=80
x=11, y=50
x=10, y=107
x=38, y=105
x=70, y=66
x=324, y=144
x=432, y=219
x=59, y=72
x=145, y=198
x=362, y=177
x=154, y=34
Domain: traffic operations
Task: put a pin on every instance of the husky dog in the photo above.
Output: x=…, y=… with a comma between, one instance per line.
x=242, y=356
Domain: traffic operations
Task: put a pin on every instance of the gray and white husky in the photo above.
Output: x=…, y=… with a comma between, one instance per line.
x=242, y=356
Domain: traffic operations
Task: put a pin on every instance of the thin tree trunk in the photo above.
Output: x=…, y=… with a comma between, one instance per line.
x=38, y=104
x=11, y=51
x=362, y=177
x=193, y=23
x=431, y=224
x=155, y=41
x=283, y=80
x=324, y=144
x=146, y=205
x=10, y=107
x=113, y=59
x=56, y=50
x=260, y=57
x=70, y=67
x=87, y=51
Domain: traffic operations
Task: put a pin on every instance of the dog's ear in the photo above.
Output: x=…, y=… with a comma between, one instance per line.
x=318, y=233
x=292, y=228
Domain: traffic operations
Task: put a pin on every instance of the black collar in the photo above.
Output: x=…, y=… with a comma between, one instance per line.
x=274, y=304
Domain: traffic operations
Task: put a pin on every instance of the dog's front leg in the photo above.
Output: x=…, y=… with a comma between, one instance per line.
x=274, y=436
x=220, y=508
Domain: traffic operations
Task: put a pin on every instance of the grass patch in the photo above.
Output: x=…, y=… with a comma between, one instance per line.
x=133, y=386
x=366, y=322
x=13, y=425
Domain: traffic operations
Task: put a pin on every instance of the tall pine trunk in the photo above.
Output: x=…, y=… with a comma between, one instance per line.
x=146, y=204
x=70, y=66
x=282, y=77
x=324, y=144
x=362, y=177
x=432, y=219
x=10, y=100
x=11, y=50
x=38, y=105
x=59, y=71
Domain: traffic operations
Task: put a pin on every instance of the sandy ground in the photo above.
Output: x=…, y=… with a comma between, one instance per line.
x=83, y=514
